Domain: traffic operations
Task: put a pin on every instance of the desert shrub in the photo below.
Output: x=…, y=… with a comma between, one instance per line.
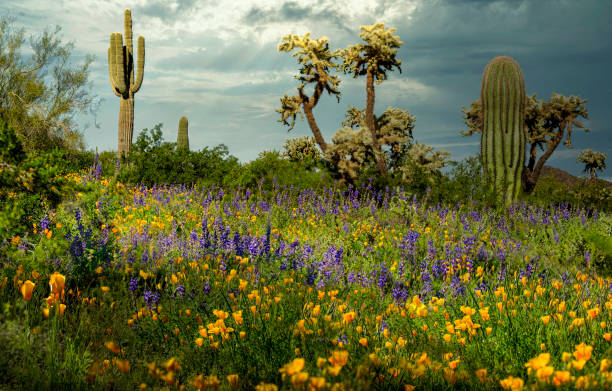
x=579, y=194
x=270, y=168
x=154, y=161
x=29, y=182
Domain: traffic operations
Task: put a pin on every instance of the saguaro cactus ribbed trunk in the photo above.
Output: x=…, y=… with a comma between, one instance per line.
x=502, y=144
x=121, y=75
x=183, y=137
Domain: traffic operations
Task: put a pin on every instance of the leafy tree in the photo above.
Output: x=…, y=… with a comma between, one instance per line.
x=592, y=161
x=40, y=95
x=545, y=126
x=372, y=60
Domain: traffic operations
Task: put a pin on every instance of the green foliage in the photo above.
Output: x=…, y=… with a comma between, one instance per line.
x=154, y=161
x=28, y=182
x=270, y=168
x=503, y=138
x=40, y=96
x=581, y=194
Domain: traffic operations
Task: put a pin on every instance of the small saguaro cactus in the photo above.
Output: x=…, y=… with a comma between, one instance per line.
x=121, y=73
x=502, y=144
x=182, y=140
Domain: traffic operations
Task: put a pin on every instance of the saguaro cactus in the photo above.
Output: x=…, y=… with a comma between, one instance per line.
x=502, y=144
x=183, y=136
x=121, y=74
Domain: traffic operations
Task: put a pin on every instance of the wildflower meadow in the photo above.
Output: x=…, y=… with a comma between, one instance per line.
x=187, y=287
x=349, y=264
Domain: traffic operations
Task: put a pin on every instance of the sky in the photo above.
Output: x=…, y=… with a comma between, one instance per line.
x=217, y=62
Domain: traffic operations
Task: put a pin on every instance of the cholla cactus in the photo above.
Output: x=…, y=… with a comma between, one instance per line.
x=353, y=148
x=420, y=156
x=350, y=149
x=301, y=148
x=592, y=161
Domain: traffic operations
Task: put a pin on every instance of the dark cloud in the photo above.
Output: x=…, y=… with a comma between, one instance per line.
x=293, y=11
x=163, y=10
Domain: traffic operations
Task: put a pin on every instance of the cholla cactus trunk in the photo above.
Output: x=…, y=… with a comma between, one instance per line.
x=123, y=81
x=503, y=137
x=183, y=136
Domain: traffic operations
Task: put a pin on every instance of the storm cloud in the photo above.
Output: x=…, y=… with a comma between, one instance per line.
x=218, y=63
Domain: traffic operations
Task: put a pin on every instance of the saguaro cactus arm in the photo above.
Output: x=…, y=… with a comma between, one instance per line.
x=110, y=73
x=140, y=71
x=116, y=64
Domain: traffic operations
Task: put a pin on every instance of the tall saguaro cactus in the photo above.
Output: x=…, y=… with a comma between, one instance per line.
x=503, y=98
x=182, y=140
x=121, y=73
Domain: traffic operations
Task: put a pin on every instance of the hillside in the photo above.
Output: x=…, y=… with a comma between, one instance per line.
x=564, y=176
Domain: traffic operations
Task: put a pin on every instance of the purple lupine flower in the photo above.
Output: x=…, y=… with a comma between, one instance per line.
x=179, y=291
x=587, y=258
x=383, y=326
x=565, y=278
x=133, y=284
x=529, y=269
x=457, y=286
x=427, y=288
x=206, y=287
x=312, y=273
x=482, y=287
x=384, y=276
x=431, y=250
x=351, y=278
x=44, y=223
x=266, y=247
x=399, y=293
x=501, y=275
x=151, y=299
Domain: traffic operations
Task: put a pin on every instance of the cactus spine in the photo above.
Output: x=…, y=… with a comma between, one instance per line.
x=502, y=144
x=183, y=137
x=121, y=73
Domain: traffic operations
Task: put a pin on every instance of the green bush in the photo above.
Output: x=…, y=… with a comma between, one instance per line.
x=271, y=167
x=153, y=161
x=29, y=182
